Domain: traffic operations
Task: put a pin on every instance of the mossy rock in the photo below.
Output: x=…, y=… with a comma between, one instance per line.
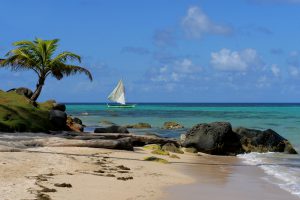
x=18, y=114
x=156, y=159
x=152, y=147
x=172, y=125
x=160, y=152
x=172, y=148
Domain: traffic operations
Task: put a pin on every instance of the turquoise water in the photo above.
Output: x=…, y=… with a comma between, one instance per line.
x=280, y=169
x=283, y=118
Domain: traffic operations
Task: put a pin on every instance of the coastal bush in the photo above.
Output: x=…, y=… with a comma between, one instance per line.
x=17, y=114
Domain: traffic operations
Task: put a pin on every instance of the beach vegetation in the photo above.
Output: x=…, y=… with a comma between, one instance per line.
x=17, y=114
x=39, y=57
x=152, y=147
x=156, y=159
x=160, y=152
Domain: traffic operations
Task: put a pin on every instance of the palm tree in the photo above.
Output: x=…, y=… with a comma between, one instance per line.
x=38, y=55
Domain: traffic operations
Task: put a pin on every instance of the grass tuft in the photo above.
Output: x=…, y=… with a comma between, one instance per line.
x=156, y=159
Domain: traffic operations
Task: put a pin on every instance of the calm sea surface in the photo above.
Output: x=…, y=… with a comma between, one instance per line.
x=281, y=169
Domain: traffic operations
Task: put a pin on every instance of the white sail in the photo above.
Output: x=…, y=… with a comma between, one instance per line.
x=118, y=94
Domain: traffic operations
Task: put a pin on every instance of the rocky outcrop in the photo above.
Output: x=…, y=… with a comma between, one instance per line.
x=172, y=125
x=58, y=119
x=215, y=138
x=112, y=129
x=263, y=141
x=171, y=147
x=140, y=125
x=106, y=122
x=59, y=106
x=22, y=91
x=218, y=138
x=74, y=124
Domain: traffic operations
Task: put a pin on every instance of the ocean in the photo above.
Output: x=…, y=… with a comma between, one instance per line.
x=284, y=118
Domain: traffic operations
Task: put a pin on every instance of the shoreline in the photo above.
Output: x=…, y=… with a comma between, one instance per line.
x=218, y=177
x=96, y=173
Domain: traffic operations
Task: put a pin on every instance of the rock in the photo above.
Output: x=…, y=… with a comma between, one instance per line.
x=75, y=124
x=171, y=147
x=139, y=125
x=106, y=122
x=112, y=129
x=58, y=119
x=153, y=135
x=59, y=106
x=263, y=141
x=77, y=121
x=172, y=125
x=215, y=138
x=190, y=150
x=22, y=91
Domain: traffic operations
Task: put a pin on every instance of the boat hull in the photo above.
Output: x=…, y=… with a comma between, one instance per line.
x=121, y=106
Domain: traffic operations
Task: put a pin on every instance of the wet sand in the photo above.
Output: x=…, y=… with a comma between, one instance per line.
x=225, y=178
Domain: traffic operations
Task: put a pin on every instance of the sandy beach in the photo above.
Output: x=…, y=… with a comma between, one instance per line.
x=63, y=173
x=227, y=178
x=92, y=173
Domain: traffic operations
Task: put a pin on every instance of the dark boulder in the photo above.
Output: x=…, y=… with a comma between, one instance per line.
x=172, y=125
x=263, y=141
x=22, y=91
x=58, y=119
x=140, y=125
x=112, y=129
x=215, y=138
x=59, y=106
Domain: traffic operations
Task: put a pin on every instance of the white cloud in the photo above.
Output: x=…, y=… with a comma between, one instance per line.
x=227, y=60
x=196, y=23
x=275, y=70
x=294, y=71
x=262, y=82
x=175, y=72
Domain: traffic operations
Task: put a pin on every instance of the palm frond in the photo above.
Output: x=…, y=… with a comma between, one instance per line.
x=67, y=70
x=65, y=56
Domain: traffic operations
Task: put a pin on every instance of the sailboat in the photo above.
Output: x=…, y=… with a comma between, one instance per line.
x=118, y=96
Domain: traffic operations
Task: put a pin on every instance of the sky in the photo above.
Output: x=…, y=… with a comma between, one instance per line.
x=163, y=50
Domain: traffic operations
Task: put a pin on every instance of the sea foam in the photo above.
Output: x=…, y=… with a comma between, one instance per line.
x=283, y=170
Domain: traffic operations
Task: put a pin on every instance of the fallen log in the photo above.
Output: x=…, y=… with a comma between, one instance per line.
x=137, y=140
x=122, y=144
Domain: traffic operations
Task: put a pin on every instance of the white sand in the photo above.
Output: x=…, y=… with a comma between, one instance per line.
x=77, y=165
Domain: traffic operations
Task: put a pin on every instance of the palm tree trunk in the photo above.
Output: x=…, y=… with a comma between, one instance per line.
x=39, y=87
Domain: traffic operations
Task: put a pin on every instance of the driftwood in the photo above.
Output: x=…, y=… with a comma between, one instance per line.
x=137, y=140
x=93, y=140
x=123, y=144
